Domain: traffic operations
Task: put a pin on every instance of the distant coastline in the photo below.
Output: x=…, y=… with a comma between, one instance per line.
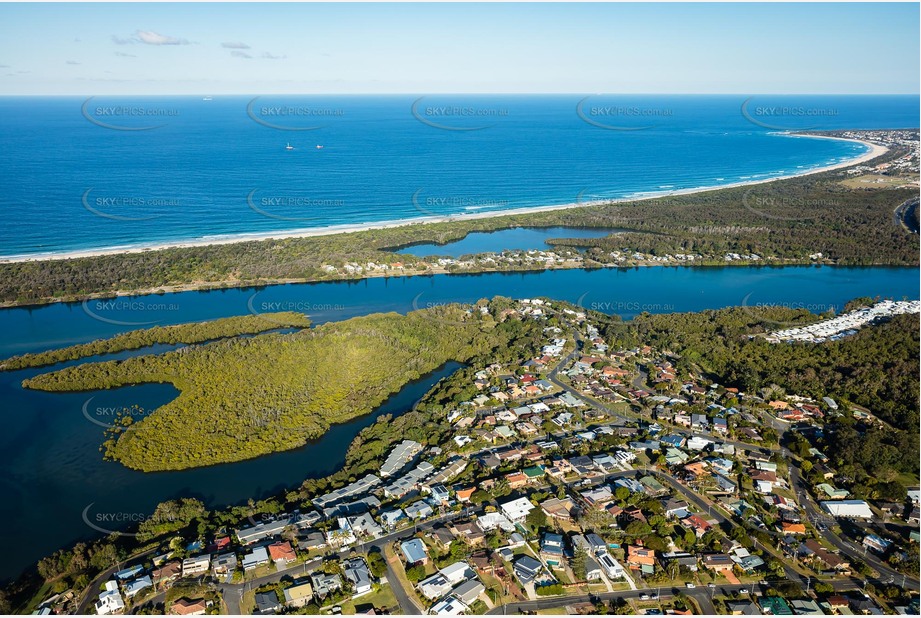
x=874, y=151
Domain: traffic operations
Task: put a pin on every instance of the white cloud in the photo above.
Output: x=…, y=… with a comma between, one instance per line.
x=235, y=45
x=124, y=55
x=149, y=37
x=239, y=54
x=72, y=62
x=123, y=41
x=269, y=56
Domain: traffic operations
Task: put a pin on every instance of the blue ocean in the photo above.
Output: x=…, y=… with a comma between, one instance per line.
x=101, y=172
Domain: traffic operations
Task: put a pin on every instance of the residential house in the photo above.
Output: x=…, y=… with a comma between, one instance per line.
x=718, y=563
x=434, y=586
x=448, y=606
x=324, y=583
x=470, y=532
x=457, y=572
x=391, y=518
x=256, y=558
x=563, y=509
x=469, y=591
x=517, y=510
x=775, y=606
x=357, y=572
x=188, y=607
x=110, y=600
x=551, y=549
x=196, y=565
x=281, y=553
x=414, y=552
x=419, y=510
x=527, y=569
x=299, y=595
x=267, y=602
x=224, y=564
x=641, y=558
x=311, y=539
x=169, y=572
x=598, y=496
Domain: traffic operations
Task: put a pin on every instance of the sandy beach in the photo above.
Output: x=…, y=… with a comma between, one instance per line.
x=874, y=151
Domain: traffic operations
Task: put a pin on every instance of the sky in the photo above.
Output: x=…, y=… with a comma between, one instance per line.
x=129, y=49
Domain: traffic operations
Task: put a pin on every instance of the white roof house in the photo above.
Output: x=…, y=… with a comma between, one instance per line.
x=517, y=510
x=491, y=521
x=435, y=586
x=110, y=601
x=448, y=606
x=457, y=572
x=848, y=508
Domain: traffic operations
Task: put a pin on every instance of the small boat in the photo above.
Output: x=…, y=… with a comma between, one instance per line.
x=289, y=147
x=319, y=147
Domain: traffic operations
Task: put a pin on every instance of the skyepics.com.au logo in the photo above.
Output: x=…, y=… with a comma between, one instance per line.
x=127, y=117
x=447, y=313
x=769, y=205
x=115, y=521
x=289, y=207
x=127, y=207
x=621, y=306
x=619, y=115
x=110, y=416
x=288, y=117
x=759, y=309
x=451, y=205
x=794, y=116
x=128, y=312
x=457, y=115
x=265, y=308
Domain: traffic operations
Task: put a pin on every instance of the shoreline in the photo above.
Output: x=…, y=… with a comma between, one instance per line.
x=875, y=150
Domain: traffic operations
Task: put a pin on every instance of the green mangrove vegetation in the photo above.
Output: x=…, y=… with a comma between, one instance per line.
x=246, y=397
x=196, y=332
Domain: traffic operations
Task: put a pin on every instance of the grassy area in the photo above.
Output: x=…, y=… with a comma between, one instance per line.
x=877, y=180
x=40, y=595
x=400, y=572
x=248, y=603
x=382, y=599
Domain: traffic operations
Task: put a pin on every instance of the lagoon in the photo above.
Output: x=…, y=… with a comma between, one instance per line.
x=513, y=239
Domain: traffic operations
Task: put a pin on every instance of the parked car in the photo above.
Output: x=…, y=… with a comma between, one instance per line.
x=690, y=585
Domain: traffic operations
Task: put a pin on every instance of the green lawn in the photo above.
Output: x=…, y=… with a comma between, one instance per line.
x=382, y=599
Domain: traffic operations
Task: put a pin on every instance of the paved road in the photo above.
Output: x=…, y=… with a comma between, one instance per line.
x=92, y=590
x=702, y=595
x=407, y=604
x=815, y=513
